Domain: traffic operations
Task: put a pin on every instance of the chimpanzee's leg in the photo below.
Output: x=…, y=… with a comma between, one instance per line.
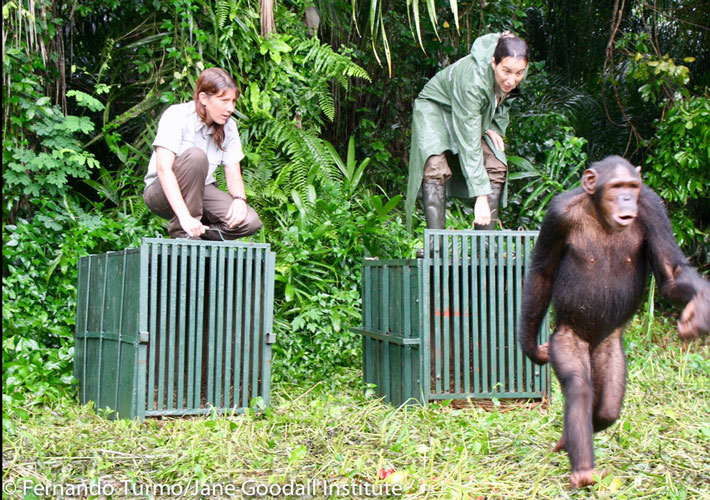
x=609, y=378
x=570, y=359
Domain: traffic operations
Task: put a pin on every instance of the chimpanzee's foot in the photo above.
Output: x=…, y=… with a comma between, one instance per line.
x=582, y=478
x=560, y=446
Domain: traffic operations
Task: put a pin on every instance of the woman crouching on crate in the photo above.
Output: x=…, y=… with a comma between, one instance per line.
x=193, y=139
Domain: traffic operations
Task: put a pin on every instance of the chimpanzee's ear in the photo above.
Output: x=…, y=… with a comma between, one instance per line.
x=638, y=170
x=589, y=180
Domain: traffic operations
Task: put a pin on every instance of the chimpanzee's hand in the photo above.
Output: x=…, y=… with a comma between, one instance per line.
x=696, y=316
x=541, y=355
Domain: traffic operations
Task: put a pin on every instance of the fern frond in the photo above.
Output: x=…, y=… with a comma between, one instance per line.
x=221, y=11
x=330, y=63
x=308, y=159
x=327, y=105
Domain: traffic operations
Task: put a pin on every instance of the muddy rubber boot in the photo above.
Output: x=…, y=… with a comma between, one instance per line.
x=493, y=203
x=434, y=198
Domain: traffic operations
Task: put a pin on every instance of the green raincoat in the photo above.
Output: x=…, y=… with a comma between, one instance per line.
x=452, y=112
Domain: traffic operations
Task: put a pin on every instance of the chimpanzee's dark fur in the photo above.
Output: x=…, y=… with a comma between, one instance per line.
x=596, y=275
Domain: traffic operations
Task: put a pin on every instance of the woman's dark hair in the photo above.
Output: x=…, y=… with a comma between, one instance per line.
x=510, y=45
x=213, y=81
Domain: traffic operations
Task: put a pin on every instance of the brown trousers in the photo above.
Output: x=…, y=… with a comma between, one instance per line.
x=206, y=202
x=437, y=170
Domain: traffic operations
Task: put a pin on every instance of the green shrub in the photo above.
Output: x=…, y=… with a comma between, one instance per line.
x=678, y=165
x=320, y=242
x=40, y=258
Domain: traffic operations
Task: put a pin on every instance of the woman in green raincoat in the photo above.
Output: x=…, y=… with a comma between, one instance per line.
x=463, y=112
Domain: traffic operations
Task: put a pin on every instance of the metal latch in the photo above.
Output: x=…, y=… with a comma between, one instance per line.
x=270, y=338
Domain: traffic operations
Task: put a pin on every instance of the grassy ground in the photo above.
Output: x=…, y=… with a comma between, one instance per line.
x=333, y=434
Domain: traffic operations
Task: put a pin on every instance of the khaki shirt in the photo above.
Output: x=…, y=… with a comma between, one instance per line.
x=180, y=129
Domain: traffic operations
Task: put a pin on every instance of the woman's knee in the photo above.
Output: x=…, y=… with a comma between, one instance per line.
x=194, y=160
x=436, y=169
x=252, y=223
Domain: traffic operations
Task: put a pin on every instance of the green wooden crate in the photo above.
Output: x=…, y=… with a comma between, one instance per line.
x=443, y=327
x=175, y=327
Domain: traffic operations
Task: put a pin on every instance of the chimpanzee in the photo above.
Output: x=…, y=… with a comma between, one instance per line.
x=591, y=259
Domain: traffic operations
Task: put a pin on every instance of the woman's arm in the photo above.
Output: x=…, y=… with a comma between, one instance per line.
x=235, y=185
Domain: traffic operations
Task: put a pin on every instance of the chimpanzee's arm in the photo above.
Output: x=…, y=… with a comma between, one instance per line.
x=537, y=290
x=677, y=280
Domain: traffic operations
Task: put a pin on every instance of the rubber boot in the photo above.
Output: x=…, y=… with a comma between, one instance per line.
x=434, y=198
x=493, y=204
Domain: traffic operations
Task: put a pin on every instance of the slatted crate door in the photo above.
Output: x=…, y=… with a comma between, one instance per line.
x=204, y=310
x=214, y=361
x=475, y=281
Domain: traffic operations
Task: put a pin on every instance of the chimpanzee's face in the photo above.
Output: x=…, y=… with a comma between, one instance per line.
x=618, y=199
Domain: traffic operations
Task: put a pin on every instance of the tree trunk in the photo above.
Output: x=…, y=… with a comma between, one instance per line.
x=267, y=17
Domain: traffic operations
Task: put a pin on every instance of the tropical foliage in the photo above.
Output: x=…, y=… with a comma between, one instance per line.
x=324, y=120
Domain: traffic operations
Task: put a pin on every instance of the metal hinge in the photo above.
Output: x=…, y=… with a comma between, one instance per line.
x=270, y=338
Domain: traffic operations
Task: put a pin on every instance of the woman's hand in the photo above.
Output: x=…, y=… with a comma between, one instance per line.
x=481, y=211
x=192, y=226
x=497, y=139
x=237, y=212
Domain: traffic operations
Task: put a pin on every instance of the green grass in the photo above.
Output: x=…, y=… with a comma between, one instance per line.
x=332, y=432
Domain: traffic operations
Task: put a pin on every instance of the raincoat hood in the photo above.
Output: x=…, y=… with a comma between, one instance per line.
x=483, y=48
x=482, y=52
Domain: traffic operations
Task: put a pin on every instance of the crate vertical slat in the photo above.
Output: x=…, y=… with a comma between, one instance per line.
x=386, y=328
x=436, y=292
x=192, y=258
x=175, y=327
x=111, y=349
x=200, y=329
x=519, y=357
x=256, y=352
x=478, y=318
x=120, y=332
x=139, y=397
x=208, y=342
x=217, y=345
x=456, y=313
x=239, y=293
x=229, y=306
x=462, y=302
x=465, y=315
x=483, y=294
x=446, y=316
x=161, y=332
x=499, y=331
x=268, y=320
x=93, y=341
x=368, y=311
x=509, y=326
x=247, y=330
